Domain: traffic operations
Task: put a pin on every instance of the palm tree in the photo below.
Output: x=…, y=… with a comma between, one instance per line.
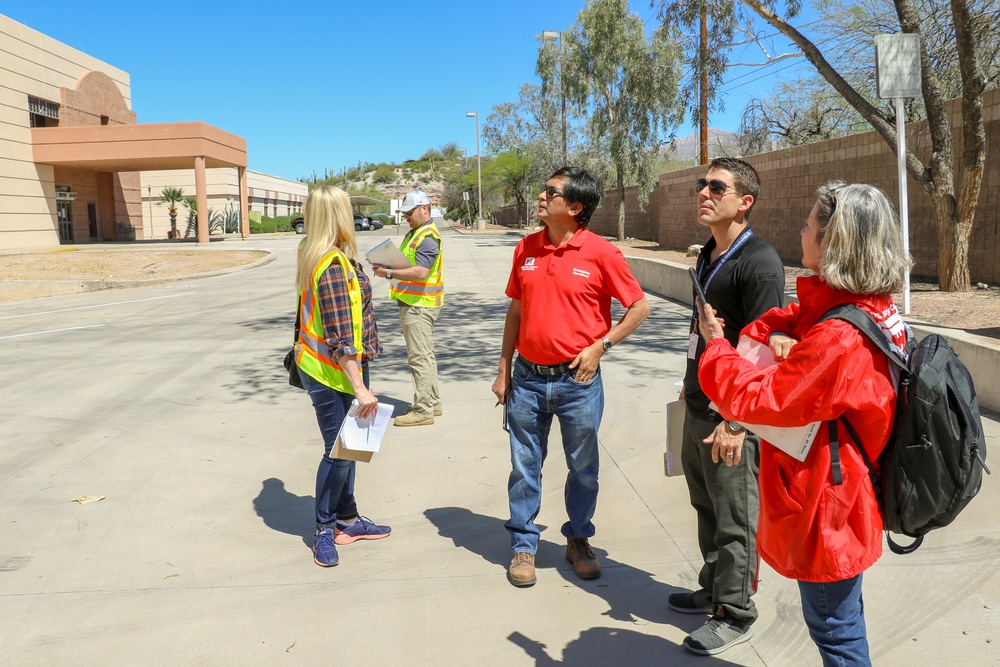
x=191, y=204
x=171, y=197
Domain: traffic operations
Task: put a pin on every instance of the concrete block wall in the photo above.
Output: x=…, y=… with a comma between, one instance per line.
x=789, y=180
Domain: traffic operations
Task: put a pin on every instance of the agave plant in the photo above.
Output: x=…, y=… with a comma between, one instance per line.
x=171, y=197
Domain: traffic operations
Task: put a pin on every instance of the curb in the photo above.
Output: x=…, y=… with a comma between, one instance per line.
x=17, y=290
x=670, y=280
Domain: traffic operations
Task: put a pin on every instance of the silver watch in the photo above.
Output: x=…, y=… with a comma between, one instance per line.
x=607, y=343
x=735, y=427
x=388, y=274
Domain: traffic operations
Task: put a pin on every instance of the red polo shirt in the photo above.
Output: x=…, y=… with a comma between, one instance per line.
x=566, y=292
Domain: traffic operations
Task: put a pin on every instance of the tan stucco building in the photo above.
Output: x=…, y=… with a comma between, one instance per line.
x=75, y=167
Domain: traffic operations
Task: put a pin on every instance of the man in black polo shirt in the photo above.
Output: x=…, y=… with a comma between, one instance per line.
x=743, y=278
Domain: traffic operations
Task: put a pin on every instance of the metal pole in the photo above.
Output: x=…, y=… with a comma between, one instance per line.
x=904, y=215
x=149, y=193
x=562, y=100
x=479, y=164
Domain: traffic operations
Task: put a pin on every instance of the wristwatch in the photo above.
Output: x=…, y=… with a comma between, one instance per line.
x=607, y=343
x=735, y=427
x=388, y=274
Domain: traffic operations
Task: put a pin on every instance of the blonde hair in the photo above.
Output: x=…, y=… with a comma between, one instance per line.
x=860, y=239
x=329, y=223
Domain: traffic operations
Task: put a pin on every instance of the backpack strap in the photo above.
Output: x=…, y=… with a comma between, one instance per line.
x=864, y=323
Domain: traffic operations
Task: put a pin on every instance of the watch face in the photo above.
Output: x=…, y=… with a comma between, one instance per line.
x=607, y=344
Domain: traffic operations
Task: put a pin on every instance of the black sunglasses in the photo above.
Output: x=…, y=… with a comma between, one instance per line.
x=715, y=187
x=551, y=192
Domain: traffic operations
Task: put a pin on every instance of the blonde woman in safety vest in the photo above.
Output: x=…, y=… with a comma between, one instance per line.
x=337, y=338
x=419, y=289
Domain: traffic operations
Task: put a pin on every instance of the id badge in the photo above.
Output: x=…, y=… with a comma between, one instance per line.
x=692, y=345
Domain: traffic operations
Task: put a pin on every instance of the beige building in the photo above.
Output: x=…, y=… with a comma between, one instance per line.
x=75, y=167
x=268, y=196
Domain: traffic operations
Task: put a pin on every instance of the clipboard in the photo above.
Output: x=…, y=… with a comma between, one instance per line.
x=675, y=437
x=387, y=254
x=360, y=439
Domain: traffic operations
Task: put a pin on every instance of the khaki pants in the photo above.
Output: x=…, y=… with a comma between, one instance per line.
x=418, y=325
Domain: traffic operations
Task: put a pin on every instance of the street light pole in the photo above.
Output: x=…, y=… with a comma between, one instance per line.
x=553, y=34
x=479, y=165
x=149, y=194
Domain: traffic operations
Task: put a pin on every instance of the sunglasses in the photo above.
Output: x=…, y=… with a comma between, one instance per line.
x=717, y=188
x=407, y=214
x=551, y=192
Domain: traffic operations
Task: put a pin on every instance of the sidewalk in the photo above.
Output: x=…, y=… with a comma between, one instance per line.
x=171, y=402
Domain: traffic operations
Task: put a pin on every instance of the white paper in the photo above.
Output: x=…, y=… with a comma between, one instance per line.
x=387, y=254
x=793, y=440
x=365, y=435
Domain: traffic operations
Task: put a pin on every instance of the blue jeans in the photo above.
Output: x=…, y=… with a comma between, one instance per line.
x=533, y=401
x=835, y=614
x=334, y=477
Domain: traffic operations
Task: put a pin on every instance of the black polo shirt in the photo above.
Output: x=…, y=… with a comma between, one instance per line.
x=748, y=283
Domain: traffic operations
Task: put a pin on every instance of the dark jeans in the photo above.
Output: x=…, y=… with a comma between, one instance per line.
x=533, y=401
x=727, y=502
x=835, y=614
x=334, y=477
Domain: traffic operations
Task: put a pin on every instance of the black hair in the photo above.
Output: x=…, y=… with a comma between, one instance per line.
x=747, y=182
x=580, y=187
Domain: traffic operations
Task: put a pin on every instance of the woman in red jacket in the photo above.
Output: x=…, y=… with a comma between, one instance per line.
x=822, y=534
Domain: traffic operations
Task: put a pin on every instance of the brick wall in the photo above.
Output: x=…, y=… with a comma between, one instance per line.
x=789, y=179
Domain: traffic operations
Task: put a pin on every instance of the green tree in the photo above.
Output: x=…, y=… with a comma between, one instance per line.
x=626, y=83
x=510, y=172
x=170, y=197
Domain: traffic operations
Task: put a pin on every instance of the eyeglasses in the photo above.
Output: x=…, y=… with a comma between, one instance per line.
x=717, y=188
x=551, y=192
x=407, y=214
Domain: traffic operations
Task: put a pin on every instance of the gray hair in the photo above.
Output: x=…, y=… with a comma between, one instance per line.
x=860, y=239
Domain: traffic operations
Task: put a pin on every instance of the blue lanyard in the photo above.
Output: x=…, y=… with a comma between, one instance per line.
x=737, y=244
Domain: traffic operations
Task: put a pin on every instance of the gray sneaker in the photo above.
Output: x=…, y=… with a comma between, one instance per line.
x=716, y=636
x=698, y=602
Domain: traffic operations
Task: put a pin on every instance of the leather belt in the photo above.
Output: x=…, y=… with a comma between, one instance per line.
x=550, y=370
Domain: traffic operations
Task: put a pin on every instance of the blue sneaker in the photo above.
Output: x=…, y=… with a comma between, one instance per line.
x=324, y=553
x=362, y=529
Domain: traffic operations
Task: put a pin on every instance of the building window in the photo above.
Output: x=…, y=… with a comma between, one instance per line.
x=42, y=113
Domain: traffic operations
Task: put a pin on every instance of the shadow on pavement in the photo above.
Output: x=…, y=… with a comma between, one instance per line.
x=286, y=512
x=610, y=646
x=629, y=592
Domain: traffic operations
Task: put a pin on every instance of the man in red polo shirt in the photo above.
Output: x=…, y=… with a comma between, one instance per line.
x=559, y=320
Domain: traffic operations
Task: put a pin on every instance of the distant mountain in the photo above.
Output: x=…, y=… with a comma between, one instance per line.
x=720, y=142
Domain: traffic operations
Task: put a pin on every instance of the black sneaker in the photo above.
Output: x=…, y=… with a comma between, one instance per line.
x=698, y=602
x=716, y=636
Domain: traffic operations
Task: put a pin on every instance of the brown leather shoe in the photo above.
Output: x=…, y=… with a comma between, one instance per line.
x=522, y=569
x=412, y=419
x=584, y=561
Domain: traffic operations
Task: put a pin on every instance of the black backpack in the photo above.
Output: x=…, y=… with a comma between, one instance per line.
x=933, y=463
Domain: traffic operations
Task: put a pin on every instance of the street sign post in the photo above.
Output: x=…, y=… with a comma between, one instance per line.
x=897, y=63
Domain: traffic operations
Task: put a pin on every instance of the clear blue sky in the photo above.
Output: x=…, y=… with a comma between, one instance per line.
x=322, y=85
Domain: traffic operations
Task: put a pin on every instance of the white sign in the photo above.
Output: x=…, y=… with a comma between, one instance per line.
x=897, y=62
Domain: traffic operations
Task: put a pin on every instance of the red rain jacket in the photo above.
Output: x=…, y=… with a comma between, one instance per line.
x=810, y=529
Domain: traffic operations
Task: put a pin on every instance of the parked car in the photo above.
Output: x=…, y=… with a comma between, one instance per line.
x=299, y=225
x=361, y=222
x=376, y=223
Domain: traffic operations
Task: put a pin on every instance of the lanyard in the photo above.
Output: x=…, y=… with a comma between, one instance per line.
x=737, y=244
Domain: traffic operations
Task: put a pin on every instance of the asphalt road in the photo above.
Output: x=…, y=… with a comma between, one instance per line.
x=171, y=403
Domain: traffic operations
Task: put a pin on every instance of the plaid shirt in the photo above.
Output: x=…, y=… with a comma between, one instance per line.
x=335, y=305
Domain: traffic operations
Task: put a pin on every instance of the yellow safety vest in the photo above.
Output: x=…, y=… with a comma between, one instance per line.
x=429, y=293
x=312, y=354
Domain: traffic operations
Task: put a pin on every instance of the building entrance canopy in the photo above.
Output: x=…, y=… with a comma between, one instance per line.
x=149, y=147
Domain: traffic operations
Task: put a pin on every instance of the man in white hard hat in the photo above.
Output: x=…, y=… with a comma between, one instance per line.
x=419, y=289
